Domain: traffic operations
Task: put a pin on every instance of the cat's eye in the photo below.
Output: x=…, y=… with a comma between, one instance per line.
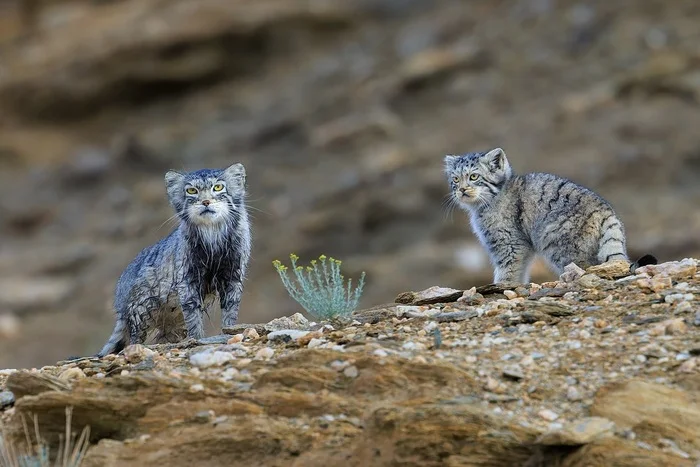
x=191, y=191
x=474, y=177
x=455, y=179
x=218, y=187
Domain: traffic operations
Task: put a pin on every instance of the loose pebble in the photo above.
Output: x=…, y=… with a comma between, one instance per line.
x=206, y=359
x=548, y=415
x=265, y=353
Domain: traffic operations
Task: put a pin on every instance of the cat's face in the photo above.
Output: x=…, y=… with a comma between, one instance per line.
x=476, y=178
x=207, y=197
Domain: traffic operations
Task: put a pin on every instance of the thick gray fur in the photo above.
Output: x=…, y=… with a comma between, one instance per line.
x=516, y=217
x=170, y=285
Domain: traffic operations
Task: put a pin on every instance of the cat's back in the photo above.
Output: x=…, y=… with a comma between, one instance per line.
x=548, y=192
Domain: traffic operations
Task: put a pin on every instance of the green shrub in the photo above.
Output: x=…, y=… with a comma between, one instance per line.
x=69, y=455
x=320, y=288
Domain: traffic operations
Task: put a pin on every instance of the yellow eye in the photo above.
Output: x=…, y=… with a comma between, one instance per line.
x=191, y=191
x=218, y=187
x=473, y=177
x=455, y=179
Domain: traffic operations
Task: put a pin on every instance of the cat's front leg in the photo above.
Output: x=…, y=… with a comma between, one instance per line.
x=511, y=259
x=230, y=294
x=192, y=310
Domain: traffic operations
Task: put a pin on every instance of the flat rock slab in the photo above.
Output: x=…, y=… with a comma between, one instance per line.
x=555, y=292
x=500, y=287
x=454, y=316
x=556, y=310
x=579, y=432
x=429, y=296
x=611, y=270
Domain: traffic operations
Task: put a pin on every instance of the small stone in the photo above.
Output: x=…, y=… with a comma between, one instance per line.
x=578, y=432
x=573, y=394
x=600, y=324
x=641, y=358
x=351, y=372
x=70, y=374
x=495, y=386
x=7, y=399
x=136, y=353
x=696, y=320
x=682, y=308
x=510, y=295
x=675, y=326
x=413, y=346
x=197, y=387
x=655, y=284
x=286, y=335
x=589, y=281
x=265, y=353
x=208, y=358
x=527, y=361
x=678, y=297
x=514, y=372
x=316, y=343
x=297, y=322
x=548, y=415
x=688, y=366
x=380, y=353
x=9, y=326
x=205, y=416
x=251, y=334
x=339, y=365
x=235, y=339
x=571, y=273
x=229, y=373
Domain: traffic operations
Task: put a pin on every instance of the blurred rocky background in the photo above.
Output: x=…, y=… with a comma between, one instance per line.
x=341, y=111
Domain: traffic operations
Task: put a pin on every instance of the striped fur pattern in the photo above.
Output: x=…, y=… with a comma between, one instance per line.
x=168, y=287
x=516, y=217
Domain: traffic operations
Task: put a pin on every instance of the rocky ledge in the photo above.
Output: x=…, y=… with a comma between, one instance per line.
x=599, y=368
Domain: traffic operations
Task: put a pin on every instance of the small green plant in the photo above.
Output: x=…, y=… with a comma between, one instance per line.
x=320, y=288
x=69, y=455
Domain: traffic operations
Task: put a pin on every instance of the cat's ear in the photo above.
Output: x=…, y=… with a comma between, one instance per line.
x=496, y=159
x=235, y=174
x=450, y=162
x=173, y=186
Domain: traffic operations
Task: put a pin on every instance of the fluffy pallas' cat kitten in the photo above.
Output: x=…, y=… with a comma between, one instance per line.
x=168, y=286
x=517, y=217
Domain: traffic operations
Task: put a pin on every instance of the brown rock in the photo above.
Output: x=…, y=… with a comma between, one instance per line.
x=611, y=270
x=578, y=432
x=676, y=270
x=656, y=283
x=29, y=383
x=659, y=411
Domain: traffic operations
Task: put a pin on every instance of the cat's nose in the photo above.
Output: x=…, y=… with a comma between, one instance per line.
x=463, y=189
x=206, y=202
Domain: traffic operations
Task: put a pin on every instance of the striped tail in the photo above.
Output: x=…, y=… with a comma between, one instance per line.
x=117, y=341
x=612, y=241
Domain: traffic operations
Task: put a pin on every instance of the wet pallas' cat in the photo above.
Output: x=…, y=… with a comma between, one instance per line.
x=168, y=286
